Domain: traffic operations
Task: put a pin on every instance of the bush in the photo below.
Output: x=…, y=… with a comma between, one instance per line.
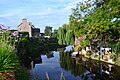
x=115, y=46
x=22, y=74
x=77, y=48
x=8, y=59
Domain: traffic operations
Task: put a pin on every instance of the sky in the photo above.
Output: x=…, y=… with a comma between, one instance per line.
x=41, y=13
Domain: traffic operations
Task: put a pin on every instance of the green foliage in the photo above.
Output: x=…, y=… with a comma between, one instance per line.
x=48, y=31
x=8, y=58
x=30, y=47
x=88, y=54
x=22, y=46
x=115, y=47
x=101, y=18
x=22, y=74
x=69, y=64
x=24, y=34
x=69, y=37
x=35, y=47
x=77, y=48
x=4, y=36
x=65, y=35
x=98, y=19
x=84, y=43
x=54, y=34
x=60, y=38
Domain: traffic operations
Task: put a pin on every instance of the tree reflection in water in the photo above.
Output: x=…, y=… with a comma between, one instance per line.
x=89, y=69
x=69, y=64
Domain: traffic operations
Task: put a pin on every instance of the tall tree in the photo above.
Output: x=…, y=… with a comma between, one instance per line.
x=94, y=18
x=62, y=34
x=65, y=35
x=69, y=37
x=78, y=18
x=100, y=18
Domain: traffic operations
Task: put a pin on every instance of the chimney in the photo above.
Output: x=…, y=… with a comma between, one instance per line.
x=30, y=23
x=24, y=20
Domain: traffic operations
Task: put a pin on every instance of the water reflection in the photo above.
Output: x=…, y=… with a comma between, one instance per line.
x=30, y=62
x=36, y=61
x=60, y=66
x=50, y=54
x=69, y=64
x=51, y=67
x=89, y=69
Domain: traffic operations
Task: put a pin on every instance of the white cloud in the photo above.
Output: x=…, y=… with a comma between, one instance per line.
x=21, y=11
x=41, y=14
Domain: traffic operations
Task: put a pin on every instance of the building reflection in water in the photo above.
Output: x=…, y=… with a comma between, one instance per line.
x=39, y=59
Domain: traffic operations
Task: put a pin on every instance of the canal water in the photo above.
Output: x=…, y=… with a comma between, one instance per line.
x=61, y=66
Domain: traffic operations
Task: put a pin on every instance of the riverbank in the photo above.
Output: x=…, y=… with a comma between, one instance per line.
x=97, y=59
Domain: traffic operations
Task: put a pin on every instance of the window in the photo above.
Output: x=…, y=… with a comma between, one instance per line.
x=20, y=29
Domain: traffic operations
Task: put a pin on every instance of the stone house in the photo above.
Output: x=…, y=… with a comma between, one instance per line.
x=28, y=27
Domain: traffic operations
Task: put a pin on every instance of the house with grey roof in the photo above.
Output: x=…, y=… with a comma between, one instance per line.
x=26, y=26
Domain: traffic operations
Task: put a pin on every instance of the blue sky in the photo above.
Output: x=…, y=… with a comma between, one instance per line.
x=40, y=12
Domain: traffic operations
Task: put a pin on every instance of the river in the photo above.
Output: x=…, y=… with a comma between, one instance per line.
x=58, y=65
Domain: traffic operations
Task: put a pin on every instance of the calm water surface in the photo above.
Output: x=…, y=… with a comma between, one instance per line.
x=52, y=67
x=61, y=66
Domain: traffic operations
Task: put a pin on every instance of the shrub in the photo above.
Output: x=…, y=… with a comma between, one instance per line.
x=22, y=74
x=8, y=59
x=77, y=48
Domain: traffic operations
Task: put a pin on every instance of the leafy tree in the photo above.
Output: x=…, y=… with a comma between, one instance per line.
x=96, y=19
x=48, y=31
x=65, y=35
x=102, y=16
x=62, y=35
x=54, y=34
x=69, y=37
x=78, y=19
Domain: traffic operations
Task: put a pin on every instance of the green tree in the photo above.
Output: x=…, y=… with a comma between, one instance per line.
x=96, y=19
x=62, y=35
x=78, y=19
x=65, y=35
x=48, y=31
x=102, y=16
x=54, y=34
x=69, y=37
